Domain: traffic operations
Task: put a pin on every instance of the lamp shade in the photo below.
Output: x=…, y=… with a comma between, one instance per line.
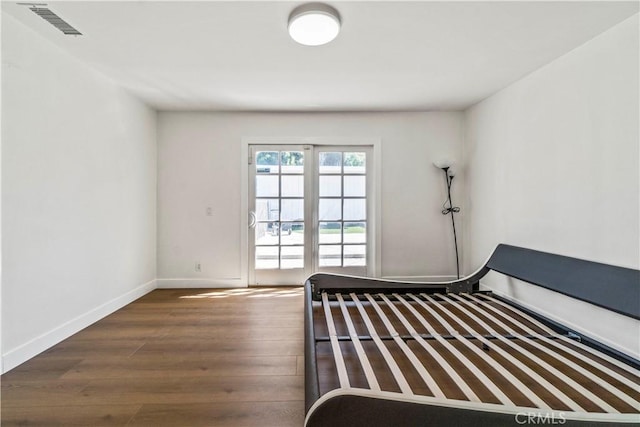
x=314, y=24
x=443, y=163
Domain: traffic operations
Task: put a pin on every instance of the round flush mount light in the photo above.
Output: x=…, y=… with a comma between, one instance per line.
x=314, y=24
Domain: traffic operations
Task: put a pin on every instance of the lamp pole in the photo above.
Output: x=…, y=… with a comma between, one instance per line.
x=448, y=176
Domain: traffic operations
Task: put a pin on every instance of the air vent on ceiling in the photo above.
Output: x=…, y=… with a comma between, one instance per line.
x=45, y=13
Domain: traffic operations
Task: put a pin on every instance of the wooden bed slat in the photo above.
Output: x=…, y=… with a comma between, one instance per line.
x=571, y=403
x=586, y=373
x=395, y=370
x=419, y=367
x=362, y=356
x=470, y=365
x=515, y=344
x=437, y=391
x=530, y=394
x=569, y=341
x=335, y=346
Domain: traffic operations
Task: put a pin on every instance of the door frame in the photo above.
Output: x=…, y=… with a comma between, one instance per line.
x=375, y=237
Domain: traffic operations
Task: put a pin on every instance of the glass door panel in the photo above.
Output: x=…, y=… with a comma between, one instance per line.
x=342, y=206
x=278, y=203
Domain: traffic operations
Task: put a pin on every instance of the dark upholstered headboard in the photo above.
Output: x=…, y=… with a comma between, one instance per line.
x=614, y=288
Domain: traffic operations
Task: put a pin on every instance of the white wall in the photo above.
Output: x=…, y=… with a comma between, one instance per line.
x=1, y=72
x=199, y=165
x=552, y=164
x=78, y=195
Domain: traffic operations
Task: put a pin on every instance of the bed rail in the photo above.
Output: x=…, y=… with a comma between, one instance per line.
x=611, y=287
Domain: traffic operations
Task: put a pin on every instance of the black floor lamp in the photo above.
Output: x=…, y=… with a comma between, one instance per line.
x=449, y=174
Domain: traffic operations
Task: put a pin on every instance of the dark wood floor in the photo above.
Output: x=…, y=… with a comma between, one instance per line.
x=172, y=358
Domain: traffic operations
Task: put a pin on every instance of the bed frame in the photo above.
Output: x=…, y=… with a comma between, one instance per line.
x=386, y=353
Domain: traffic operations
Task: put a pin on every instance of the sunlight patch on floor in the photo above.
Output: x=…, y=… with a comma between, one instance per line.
x=249, y=293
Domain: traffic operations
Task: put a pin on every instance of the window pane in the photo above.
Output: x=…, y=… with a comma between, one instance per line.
x=355, y=163
x=329, y=209
x=330, y=163
x=330, y=186
x=355, y=255
x=292, y=233
x=266, y=257
x=330, y=232
x=292, y=257
x=292, y=161
x=355, y=232
x=355, y=209
x=330, y=255
x=266, y=186
x=267, y=209
x=292, y=210
x=267, y=233
x=293, y=185
x=267, y=162
x=355, y=186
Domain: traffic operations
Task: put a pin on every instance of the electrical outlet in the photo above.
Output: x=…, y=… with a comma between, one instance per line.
x=209, y=212
x=198, y=266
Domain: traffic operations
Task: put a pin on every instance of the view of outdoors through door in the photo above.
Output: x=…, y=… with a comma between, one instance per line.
x=309, y=210
x=342, y=209
x=279, y=210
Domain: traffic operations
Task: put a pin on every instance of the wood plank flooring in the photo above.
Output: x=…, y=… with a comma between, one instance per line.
x=188, y=358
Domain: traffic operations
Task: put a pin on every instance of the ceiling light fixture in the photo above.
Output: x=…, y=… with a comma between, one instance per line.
x=314, y=24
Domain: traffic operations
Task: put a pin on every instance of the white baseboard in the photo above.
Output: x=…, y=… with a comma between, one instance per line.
x=26, y=351
x=199, y=283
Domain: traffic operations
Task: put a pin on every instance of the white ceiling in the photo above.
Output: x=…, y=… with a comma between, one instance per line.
x=237, y=55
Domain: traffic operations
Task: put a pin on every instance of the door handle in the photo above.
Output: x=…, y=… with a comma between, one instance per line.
x=252, y=219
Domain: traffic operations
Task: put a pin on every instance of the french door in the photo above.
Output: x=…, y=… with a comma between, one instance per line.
x=309, y=211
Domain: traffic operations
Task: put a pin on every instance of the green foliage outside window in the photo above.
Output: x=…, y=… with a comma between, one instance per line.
x=287, y=158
